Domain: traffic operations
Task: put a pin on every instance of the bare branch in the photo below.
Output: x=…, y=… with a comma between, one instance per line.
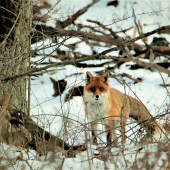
x=144, y=64
x=127, y=43
x=50, y=32
x=129, y=76
x=75, y=16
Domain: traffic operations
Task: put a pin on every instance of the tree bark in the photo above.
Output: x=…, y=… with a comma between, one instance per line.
x=15, y=23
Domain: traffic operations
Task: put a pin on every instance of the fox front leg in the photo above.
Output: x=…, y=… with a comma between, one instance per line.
x=94, y=133
x=111, y=136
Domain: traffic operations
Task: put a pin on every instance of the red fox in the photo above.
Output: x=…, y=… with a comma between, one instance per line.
x=112, y=108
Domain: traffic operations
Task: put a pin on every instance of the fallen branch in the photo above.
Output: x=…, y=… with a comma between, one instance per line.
x=20, y=130
x=39, y=140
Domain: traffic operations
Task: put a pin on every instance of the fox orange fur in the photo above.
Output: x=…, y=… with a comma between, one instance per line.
x=112, y=108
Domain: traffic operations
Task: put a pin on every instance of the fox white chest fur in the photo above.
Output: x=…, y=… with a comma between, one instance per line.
x=96, y=110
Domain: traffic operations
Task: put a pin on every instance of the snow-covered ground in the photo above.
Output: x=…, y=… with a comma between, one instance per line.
x=48, y=111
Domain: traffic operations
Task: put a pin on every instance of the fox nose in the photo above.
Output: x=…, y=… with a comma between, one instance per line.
x=97, y=97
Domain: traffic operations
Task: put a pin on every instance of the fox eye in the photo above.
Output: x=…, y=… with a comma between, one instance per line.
x=93, y=89
x=101, y=88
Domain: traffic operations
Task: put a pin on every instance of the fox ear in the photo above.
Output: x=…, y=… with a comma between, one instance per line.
x=105, y=77
x=89, y=77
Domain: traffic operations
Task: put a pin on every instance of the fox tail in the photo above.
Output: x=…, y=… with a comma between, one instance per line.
x=140, y=113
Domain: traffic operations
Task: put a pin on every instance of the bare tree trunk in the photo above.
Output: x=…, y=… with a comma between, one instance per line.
x=15, y=24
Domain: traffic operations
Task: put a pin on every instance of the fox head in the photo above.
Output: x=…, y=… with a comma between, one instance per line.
x=97, y=86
